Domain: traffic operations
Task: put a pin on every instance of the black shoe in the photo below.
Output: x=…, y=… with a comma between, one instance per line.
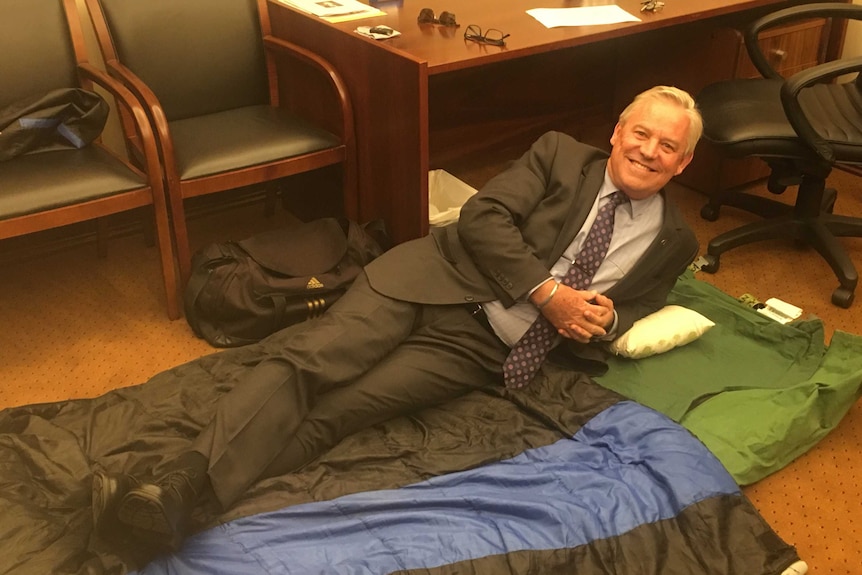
x=161, y=511
x=107, y=491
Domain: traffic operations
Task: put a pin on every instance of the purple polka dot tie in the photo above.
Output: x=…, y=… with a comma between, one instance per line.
x=530, y=351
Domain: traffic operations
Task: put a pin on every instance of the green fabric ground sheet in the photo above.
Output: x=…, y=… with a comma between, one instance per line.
x=757, y=392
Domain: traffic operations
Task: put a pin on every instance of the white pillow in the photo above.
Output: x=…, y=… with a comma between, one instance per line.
x=661, y=331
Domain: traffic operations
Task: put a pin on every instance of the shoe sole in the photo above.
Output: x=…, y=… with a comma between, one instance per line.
x=142, y=509
x=100, y=495
x=107, y=491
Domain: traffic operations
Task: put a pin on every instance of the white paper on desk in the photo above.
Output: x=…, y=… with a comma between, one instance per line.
x=333, y=8
x=354, y=16
x=586, y=16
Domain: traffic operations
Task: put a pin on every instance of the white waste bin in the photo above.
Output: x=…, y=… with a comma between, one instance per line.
x=446, y=195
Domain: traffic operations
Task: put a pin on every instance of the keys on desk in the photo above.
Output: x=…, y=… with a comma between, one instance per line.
x=377, y=32
x=382, y=30
x=651, y=6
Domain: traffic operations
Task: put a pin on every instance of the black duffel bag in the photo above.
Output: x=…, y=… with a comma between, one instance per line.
x=240, y=292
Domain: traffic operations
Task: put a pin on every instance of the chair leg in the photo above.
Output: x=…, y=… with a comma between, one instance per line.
x=843, y=226
x=184, y=257
x=169, y=273
x=179, y=232
x=763, y=207
x=167, y=258
x=821, y=238
x=779, y=227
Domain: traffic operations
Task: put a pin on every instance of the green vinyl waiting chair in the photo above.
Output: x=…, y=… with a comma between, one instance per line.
x=209, y=74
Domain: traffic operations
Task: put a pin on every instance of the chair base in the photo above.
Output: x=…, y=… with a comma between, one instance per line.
x=809, y=222
x=759, y=205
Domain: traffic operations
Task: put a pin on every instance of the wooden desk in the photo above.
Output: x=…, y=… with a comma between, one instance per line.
x=430, y=99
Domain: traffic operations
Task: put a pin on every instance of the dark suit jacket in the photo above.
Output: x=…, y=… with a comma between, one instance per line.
x=517, y=226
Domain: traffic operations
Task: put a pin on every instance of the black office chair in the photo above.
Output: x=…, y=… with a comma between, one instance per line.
x=801, y=126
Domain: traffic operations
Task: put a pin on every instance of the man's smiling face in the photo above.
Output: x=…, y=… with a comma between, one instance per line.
x=649, y=148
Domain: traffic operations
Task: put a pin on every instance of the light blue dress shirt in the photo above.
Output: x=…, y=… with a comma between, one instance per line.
x=636, y=225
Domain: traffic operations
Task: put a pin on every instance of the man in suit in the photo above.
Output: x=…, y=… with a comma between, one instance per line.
x=439, y=316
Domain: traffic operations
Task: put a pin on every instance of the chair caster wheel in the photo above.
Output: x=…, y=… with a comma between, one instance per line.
x=842, y=297
x=710, y=264
x=709, y=212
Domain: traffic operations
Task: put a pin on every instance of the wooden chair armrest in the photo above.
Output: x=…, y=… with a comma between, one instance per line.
x=153, y=109
x=279, y=47
x=124, y=97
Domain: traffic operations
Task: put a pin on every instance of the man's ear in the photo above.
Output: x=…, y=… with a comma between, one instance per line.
x=615, y=134
x=684, y=164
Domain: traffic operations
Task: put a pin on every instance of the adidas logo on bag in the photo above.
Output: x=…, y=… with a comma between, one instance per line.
x=313, y=283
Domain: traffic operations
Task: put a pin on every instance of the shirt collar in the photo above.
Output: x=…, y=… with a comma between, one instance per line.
x=636, y=206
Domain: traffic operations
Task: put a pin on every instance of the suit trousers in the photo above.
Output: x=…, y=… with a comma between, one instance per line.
x=368, y=359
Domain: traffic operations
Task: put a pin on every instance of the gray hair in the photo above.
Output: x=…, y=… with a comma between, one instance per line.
x=679, y=97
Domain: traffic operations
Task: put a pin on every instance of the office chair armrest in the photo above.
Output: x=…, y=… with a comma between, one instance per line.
x=793, y=109
x=801, y=12
x=125, y=98
x=282, y=47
